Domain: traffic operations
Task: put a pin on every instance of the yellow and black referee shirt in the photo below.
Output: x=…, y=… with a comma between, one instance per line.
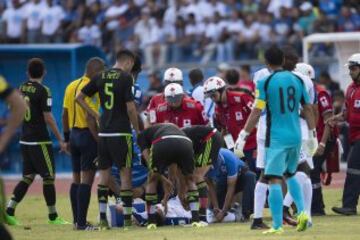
x=77, y=115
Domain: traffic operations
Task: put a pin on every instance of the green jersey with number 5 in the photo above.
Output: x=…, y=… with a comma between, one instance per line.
x=115, y=90
x=283, y=93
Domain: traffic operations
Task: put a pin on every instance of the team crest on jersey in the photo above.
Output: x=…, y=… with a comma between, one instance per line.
x=238, y=116
x=237, y=99
x=187, y=123
x=357, y=104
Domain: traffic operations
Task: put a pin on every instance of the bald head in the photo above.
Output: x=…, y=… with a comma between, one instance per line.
x=94, y=66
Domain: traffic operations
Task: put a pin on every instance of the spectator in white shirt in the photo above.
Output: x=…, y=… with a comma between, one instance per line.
x=161, y=36
x=249, y=36
x=226, y=48
x=142, y=33
x=90, y=33
x=213, y=35
x=14, y=23
x=33, y=14
x=113, y=13
x=51, y=21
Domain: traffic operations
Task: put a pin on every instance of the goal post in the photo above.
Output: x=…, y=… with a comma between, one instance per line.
x=345, y=44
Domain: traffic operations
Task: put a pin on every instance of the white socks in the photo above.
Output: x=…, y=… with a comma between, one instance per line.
x=305, y=183
x=260, y=199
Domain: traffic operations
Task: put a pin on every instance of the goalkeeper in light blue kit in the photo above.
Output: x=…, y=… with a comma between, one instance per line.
x=282, y=93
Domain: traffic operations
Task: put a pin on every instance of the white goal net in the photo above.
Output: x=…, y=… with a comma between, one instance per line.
x=345, y=44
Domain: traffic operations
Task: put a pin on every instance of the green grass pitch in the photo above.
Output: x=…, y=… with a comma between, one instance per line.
x=32, y=213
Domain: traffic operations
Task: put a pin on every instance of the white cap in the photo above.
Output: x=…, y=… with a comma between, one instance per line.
x=213, y=84
x=173, y=89
x=353, y=60
x=173, y=75
x=305, y=69
x=306, y=6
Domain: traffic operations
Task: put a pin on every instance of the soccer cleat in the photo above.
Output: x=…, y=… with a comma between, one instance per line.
x=344, y=211
x=103, y=225
x=280, y=230
x=151, y=226
x=259, y=225
x=302, y=220
x=87, y=227
x=199, y=224
x=58, y=221
x=12, y=220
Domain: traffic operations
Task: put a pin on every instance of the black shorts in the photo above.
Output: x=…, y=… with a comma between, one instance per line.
x=170, y=151
x=209, y=152
x=38, y=159
x=83, y=148
x=115, y=150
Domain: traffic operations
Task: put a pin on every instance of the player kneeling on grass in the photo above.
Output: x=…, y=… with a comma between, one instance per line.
x=36, y=146
x=165, y=145
x=207, y=142
x=229, y=177
x=281, y=94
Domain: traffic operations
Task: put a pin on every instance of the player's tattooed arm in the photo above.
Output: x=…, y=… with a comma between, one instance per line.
x=80, y=99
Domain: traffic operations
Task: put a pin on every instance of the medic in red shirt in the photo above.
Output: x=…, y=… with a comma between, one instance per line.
x=171, y=75
x=231, y=112
x=178, y=109
x=352, y=116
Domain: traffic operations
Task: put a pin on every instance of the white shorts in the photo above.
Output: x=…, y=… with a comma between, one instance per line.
x=260, y=158
x=304, y=157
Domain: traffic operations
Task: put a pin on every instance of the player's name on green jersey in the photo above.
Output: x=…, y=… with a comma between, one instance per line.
x=29, y=89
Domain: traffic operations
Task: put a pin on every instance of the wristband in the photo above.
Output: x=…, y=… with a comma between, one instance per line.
x=66, y=136
x=322, y=144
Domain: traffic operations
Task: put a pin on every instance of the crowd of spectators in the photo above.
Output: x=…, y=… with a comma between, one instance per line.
x=165, y=31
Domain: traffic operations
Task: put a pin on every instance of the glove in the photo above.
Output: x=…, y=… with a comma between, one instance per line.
x=312, y=143
x=240, y=143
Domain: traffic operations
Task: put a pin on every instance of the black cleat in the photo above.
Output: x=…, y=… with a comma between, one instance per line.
x=318, y=213
x=344, y=211
x=258, y=224
x=287, y=218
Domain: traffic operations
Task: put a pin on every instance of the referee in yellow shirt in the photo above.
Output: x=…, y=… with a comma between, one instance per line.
x=78, y=128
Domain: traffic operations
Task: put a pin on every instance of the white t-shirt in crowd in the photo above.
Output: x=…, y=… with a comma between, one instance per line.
x=235, y=26
x=275, y=5
x=51, y=20
x=264, y=32
x=170, y=15
x=206, y=9
x=249, y=32
x=14, y=19
x=214, y=30
x=90, y=35
x=161, y=34
x=33, y=14
x=143, y=31
x=115, y=11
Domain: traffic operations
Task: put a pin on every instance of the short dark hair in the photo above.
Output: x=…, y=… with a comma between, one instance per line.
x=291, y=58
x=196, y=76
x=245, y=67
x=232, y=76
x=338, y=94
x=94, y=65
x=124, y=54
x=36, y=68
x=325, y=74
x=274, y=56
